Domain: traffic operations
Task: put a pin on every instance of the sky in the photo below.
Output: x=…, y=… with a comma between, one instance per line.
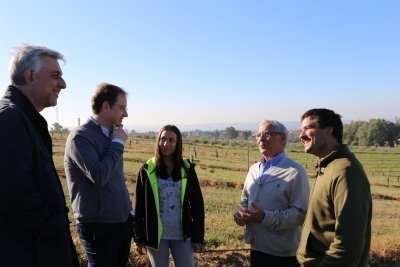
x=212, y=64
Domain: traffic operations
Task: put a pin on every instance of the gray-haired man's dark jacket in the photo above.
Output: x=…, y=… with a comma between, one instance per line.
x=34, y=226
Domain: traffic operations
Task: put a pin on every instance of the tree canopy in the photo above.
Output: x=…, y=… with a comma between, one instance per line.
x=231, y=133
x=57, y=128
x=375, y=132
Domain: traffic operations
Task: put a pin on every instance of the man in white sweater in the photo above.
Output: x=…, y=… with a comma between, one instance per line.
x=274, y=201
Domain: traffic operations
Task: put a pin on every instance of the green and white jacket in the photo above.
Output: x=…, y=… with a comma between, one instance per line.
x=147, y=223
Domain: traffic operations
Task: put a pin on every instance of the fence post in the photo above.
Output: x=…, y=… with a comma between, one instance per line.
x=388, y=181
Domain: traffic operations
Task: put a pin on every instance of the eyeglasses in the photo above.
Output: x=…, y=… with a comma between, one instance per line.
x=266, y=134
x=122, y=107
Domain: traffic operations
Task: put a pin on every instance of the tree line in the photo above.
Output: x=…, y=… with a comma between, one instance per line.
x=57, y=128
x=232, y=133
x=375, y=132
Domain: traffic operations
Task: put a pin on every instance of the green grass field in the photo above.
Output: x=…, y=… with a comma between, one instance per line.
x=222, y=171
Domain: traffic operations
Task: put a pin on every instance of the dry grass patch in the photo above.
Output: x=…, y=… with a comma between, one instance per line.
x=385, y=252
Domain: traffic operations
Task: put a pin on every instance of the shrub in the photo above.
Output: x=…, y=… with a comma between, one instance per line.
x=224, y=142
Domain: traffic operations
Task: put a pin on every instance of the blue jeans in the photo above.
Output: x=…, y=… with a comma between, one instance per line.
x=181, y=251
x=106, y=244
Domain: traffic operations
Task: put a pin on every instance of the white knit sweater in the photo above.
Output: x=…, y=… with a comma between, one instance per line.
x=283, y=195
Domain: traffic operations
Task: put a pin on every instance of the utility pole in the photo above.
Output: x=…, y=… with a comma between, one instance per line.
x=248, y=156
x=57, y=113
x=359, y=134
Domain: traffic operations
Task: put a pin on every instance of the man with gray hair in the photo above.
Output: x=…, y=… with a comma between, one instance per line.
x=34, y=225
x=274, y=201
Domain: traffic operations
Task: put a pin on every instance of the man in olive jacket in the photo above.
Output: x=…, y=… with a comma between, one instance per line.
x=337, y=229
x=34, y=225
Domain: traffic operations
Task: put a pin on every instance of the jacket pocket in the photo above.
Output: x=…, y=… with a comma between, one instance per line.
x=307, y=250
x=54, y=250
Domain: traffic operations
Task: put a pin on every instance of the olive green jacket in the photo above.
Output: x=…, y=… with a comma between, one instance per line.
x=337, y=228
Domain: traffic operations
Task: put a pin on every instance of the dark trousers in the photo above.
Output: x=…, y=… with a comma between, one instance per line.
x=260, y=259
x=106, y=244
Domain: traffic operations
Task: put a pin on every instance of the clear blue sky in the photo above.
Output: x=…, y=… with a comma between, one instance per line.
x=216, y=63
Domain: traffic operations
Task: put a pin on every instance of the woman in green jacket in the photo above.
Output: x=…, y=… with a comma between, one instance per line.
x=169, y=207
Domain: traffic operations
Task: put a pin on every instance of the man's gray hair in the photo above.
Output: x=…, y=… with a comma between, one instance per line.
x=26, y=57
x=278, y=127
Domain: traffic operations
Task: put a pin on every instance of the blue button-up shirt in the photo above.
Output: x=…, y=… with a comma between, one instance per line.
x=267, y=166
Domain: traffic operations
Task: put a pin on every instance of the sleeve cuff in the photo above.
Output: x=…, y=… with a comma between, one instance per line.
x=263, y=218
x=118, y=141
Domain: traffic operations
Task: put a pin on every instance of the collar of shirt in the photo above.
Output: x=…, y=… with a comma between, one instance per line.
x=266, y=166
x=105, y=131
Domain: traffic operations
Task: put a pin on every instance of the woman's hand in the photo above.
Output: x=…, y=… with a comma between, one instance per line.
x=141, y=249
x=196, y=246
